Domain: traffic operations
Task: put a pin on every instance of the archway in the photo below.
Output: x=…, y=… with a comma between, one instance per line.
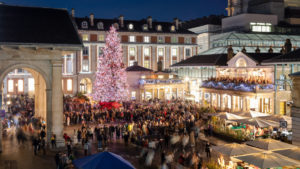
x=25, y=82
x=85, y=86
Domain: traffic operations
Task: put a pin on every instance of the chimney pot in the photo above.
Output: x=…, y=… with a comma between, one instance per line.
x=176, y=22
x=92, y=19
x=149, y=20
x=73, y=12
x=121, y=21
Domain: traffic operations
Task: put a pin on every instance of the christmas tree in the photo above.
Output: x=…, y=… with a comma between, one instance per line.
x=111, y=79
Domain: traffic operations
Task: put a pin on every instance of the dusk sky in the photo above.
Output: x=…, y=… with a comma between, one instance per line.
x=163, y=10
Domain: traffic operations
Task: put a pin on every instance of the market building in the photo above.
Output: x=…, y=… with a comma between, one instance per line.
x=296, y=108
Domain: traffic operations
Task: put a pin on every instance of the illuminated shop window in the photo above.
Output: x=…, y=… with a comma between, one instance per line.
x=10, y=85
x=31, y=84
x=261, y=27
x=20, y=85
x=69, y=85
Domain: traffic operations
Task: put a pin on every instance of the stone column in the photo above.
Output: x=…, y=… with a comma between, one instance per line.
x=232, y=104
x=0, y=122
x=244, y=104
x=49, y=113
x=221, y=102
x=57, y=102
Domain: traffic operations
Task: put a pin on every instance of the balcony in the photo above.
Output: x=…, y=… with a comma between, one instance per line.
x=160, y=81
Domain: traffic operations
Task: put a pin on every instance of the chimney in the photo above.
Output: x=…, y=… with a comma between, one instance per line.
x=257, y=50
x=282, y=51
x=92, y=19
x=288, y=46
x=135, y=63
x=121, y=21
x=176, y=22
x=73, y=12
x=149, y=21
x=244, y=50
x=229, y=52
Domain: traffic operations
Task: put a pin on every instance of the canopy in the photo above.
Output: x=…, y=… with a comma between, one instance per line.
x=235, y=149
x=258, y=114
x=104, y=160
x=226, y=116
x=268, y=160
x=290, y=153
x=270, y=144
x=259, y=122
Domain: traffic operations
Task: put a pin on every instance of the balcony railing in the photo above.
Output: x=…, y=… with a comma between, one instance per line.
x=160, y=81
x=238, y=86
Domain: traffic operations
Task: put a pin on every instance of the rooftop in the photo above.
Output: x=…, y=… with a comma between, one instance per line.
x=33, y=25
x=293, y=56
x=204, y=60
x=137, y=68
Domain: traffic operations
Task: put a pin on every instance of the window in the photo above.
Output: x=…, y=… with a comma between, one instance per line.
x=131, y=62
x=132, y=51
x=85, y=37
x=160, y=39
x=160, y=51
x=146, y=39
x=85, y=59
x=84, y=25
x=10, y=85
x=174, y=40
x=187, y=52
x=100, y=51
x=20, y=70
x=31, y=84
x=100, y=25
x=101, y=38
x=20, y=85
x=133, y=95
x=261, y=27
x=130, y=26
x=69, y=85
x=145, y=27
x=68, y=64
x=147, y=51
x=147, y=64
x=174, y=51
x=188, y=40
x=159, y=28
x=131, y=38
x=241, y=63
x=172, y=28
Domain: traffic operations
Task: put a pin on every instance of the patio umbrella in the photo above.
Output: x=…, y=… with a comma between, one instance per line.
x=258, y=122
x=235, y=149
x=268, y=160
x=104, y=160
x=258, y=114
x=290, y=153
x=270, y=144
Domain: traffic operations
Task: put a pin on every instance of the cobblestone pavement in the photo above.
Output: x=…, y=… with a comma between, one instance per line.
x=16, y=156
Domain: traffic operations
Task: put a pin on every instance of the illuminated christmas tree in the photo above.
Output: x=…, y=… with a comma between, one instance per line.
x=111, y=79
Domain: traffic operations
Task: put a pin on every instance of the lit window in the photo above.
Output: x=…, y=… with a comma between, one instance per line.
x=160, y=51
x=101, y=38
x=188, y=40
x=145, y=27
x=84, y=25
x=132, y=51
x=85, y=37
x=261, y=27
x=160, y=39
x=146, y=39
x=147, y=51
x=68, y=64
x=174, y=40
x=143, y=77
x=174, y=51
x=187, y=52
x=130, y=26
x=171, y=76
x=10, y=85
x=133, y=95
x=131, y=38
x=147, y=64
x=173, y=28
x=159, y=28
x=100, y=25
x=85, y=59
x=31, y=84
x=160, y=76
x=241, y=63
x=20, y=85
x=69, y=85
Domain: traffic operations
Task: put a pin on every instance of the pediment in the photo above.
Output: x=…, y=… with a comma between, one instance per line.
x=241, y=60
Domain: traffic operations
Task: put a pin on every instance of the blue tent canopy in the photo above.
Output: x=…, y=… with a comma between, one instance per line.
x=104, y=160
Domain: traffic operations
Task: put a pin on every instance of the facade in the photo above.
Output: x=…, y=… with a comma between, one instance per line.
x=144, y=84
x=241, y=86
x=296, y=108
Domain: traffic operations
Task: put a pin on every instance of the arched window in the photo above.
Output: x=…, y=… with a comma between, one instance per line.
x=159, y=28
x=241, y=63
x=116, y=25
x=100, y=25
x=172, y=28
x=145, y=27
x=130, y=26
x=86, y=86
x=84, y=25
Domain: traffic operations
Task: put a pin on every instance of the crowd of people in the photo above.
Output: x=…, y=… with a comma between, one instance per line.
x=167, y=129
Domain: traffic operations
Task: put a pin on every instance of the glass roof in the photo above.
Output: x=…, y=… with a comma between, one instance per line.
x=223, y=50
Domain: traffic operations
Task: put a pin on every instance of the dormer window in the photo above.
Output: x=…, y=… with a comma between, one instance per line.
x=100, y=25
x=159, y=28
x=84, y=25
x=172, y=28
x=116, y=25
x=130, y=26
x=145, y=27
